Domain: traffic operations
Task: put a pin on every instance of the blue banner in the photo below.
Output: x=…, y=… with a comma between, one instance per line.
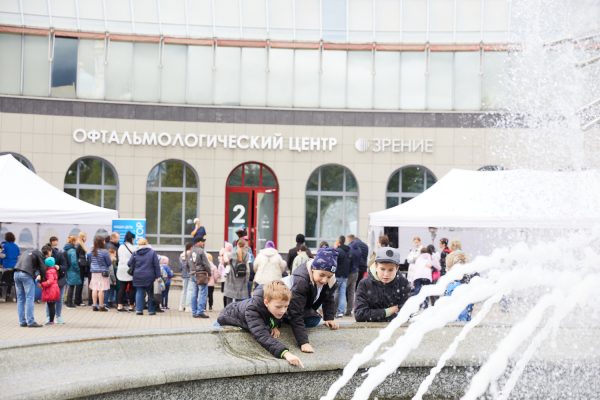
x=135, y=226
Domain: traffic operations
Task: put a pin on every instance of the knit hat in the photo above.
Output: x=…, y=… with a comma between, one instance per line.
x=326, y=259
x=50, y=262
x=270, y=245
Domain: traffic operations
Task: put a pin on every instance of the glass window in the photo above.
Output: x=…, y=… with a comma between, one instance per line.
x=334, y=20
x=360, y=21
x=407, y=183
x=90, y=69
x=388, y=20
x=200, y=75
x=36, y=66
x=441, y=21
x=227, y=76
x=254, y=77
x=387, y=80
x=467, y=81
x=439, y=86
x=281, y=19
x=468, y=20
x=146, y=74
x=93, y=180
x=412, y=83
x=306, y=78
x=308, y=19
x=173, y=73
x=331, y=204
x=64, y=67
x=171, y=202
x=333, y=79
x=252, y=174
x=281, y=77
x=227, y=18
x=21, y=159
x=414, y=21
x=254, y=19
x=10, y=64
x=118, y=71
x=360, y=79
x=494, y=89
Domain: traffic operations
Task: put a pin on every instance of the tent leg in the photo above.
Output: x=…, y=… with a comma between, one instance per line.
x=37, y=238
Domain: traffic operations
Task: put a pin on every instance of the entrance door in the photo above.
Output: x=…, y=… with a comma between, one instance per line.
x=251, y=204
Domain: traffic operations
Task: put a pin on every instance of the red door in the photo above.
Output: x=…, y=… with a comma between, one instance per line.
x=252, y=204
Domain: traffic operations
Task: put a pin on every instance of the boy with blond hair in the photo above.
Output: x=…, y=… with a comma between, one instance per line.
x=261, y=315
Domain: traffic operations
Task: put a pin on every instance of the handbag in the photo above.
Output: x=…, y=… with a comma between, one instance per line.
x=159, y=285
x=105, y=274
x=201, y=277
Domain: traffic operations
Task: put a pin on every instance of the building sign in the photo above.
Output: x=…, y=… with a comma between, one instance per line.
x=394, y=145
x=135, y=226
x=242, y=142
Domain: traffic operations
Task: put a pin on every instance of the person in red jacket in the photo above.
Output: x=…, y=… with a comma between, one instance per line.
x=50, y=289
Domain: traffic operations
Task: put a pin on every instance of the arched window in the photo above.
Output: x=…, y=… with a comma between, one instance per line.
x=93, y=180
x=331, y=204
x=171, y=202
x=25, y=238
x=406, y=183
x=20, y=159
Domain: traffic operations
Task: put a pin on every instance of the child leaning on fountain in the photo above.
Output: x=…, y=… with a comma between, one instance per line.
x=261, y=315
x=380, y=296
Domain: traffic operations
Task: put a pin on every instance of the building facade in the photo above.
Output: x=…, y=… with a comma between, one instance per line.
x=279, y=116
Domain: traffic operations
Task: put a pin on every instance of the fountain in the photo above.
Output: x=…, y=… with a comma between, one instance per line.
x=555, y=90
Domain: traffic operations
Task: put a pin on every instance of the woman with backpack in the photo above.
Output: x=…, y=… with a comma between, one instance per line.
x=74, y=281
x=84, y=269
x=238, y=273
x=268, y=266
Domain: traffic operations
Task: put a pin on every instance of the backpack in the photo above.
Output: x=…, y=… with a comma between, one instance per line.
x=240, y=270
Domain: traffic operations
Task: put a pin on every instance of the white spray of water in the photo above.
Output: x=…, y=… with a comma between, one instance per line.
x=514, y=268
x=485, y=309
x=578, y=294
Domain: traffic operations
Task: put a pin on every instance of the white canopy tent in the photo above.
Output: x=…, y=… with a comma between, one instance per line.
x=515, y=203
x=29, y=202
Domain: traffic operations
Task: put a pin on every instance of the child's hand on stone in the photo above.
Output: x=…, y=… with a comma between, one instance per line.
x=307, y=348
x=293, y=360
x=332, y=325
x=275, y=333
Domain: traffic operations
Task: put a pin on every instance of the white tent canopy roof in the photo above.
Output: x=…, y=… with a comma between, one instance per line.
x=501, y=199
x=27, y=198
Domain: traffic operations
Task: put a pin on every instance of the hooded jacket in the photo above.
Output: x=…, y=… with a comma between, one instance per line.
x=252, y=315
x=269, y=266
x=343, y=262
x=146, y=267
x=32, y=263
x=50, y=289
x=12, y=252
x=303, y=302
x=373, y=297
x=73, y=271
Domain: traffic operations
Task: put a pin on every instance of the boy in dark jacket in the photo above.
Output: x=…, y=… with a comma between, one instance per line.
x=261, y=315
x=380, y=296
x=313, y=285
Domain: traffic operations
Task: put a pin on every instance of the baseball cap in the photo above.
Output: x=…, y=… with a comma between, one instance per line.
x=387, y=255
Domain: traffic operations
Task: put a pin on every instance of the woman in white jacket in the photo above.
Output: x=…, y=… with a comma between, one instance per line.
x=268, y=265
x=126, y=293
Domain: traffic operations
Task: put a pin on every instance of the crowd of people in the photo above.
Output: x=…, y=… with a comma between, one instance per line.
x=260, y=291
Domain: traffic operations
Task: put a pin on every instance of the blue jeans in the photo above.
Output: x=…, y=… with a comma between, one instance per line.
x=199, y=297
x=418, y=284
x=183, y=300
x=311, y=322
x=341, y=295
x=58, y=304
x=25, y=286
x=140, y=293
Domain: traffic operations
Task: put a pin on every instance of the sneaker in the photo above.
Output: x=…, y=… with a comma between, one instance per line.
x=180, y=308
x=339, y=315
x=50, y=323
x=139, y=313
x=60, y=320
x=70, y=305
x=209, y=308
x=188, y=309
x=104, y=309
x=23, y=325
x=203, y=316
x=34, y=325
x=151, y=313
x=95, y=308
x=121, y=310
